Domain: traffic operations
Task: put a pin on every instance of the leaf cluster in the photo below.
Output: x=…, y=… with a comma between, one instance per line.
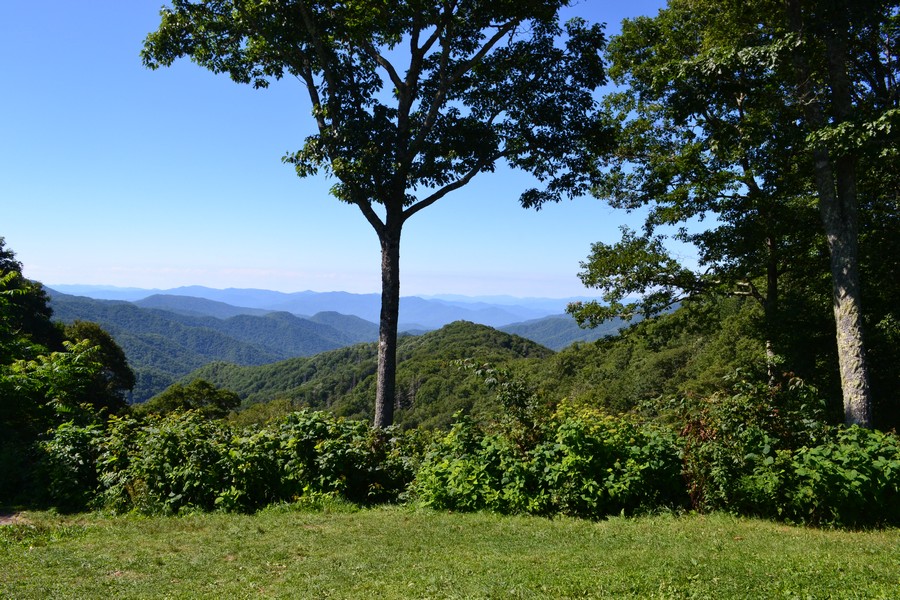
x=482, y=82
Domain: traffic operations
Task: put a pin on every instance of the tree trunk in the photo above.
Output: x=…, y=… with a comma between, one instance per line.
x=839, y=215
x=387, y=335
x=835, y=178
x=838, y=210
x=770, y=308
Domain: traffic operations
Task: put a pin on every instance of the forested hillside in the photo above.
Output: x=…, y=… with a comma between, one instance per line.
x=691, y=351
x=559, y=331
x=166, y=336
x=162, y=346
x=432, y=384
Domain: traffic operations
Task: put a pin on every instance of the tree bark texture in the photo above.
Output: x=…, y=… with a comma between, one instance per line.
x=835, y=179
x=387, y=336
x=837, y=206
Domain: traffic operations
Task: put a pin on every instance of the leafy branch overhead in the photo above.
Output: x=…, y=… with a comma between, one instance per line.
x=479, y=82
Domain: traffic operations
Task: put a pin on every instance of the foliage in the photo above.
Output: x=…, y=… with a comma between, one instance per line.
x=485, y=83
x=759, y=450
x=25, y=325
x=766, y=452
x=686, y=352
x=585, y=465
x=725, y=434
x=430, y=386
x=183, y=461
x=852, y=478
x=67, y=465
x=116, y=379
x=199, y=395
x=755, y=116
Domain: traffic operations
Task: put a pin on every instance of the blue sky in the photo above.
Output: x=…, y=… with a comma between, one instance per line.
x=116, y=175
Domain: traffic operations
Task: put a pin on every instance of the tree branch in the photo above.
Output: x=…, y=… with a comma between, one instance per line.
x=426, y=202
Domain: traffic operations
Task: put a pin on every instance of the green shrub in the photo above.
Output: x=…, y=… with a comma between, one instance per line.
x=727, y=436
x=170, y=464
x=67, y=465
x=184, y=461
x=323, y=453
x=601, y=465
x=586, y=465
x=765, y=451
x=850, y=478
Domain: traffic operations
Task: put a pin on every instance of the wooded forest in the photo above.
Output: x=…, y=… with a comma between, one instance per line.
x=760, y=380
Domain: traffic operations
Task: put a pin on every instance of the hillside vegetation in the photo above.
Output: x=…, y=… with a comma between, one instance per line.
x=673, y=414
x=432, y=385
x=163, y=346
x=682, y=353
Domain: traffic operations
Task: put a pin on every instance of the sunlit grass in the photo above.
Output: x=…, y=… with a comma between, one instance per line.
x=401, y=553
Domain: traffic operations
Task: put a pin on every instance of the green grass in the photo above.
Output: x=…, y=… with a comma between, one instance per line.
x=402, y=553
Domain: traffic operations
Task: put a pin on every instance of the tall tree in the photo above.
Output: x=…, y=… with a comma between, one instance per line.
x=482, y=81
x=27, y=312
x=115, y=379
x=746, y=111
x=846, y=68
x=695, y=141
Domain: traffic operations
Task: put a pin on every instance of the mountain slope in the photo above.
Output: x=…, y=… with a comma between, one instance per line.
x=560, y=331
x=162, y=346
x=431, y=385
x=197, y=307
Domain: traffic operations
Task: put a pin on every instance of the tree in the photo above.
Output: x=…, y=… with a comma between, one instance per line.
x=846, y=68
x=115, y=379
x=26, y=310
x=719, y=120
x=695, y=141
x=200, y=395
x=46, y=380
x=483, y=82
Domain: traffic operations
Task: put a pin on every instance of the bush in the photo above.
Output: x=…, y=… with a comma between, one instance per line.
x=850, y=478
x=67, y=465
x=758, y=451
x=765, y=451
x=184, y=461
x=586, y=465
x=726, y=436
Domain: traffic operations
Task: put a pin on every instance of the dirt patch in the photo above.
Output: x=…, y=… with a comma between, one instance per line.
x=10, y=518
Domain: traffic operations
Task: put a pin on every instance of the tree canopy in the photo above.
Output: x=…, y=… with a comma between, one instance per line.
x=757, y=115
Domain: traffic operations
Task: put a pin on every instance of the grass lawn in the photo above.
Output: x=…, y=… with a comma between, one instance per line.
x=338, y=552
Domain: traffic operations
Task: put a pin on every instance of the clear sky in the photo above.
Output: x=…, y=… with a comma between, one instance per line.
x=114, y=174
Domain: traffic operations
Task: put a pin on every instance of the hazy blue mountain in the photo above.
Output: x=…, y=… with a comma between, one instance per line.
x=544, y=306
x=362, y=329
x=252, y=298
x=415, y=313
x=160, y=346
x=199, y=307
x=105, y=292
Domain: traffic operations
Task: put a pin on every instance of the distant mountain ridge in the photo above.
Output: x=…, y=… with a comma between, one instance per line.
x=163, y=345
x=166, y=335
x=560, y=331
x=416, y=313
x=199, y=307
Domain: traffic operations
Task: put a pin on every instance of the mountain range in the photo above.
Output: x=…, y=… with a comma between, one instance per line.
x=168, y=333
x=416, y=313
